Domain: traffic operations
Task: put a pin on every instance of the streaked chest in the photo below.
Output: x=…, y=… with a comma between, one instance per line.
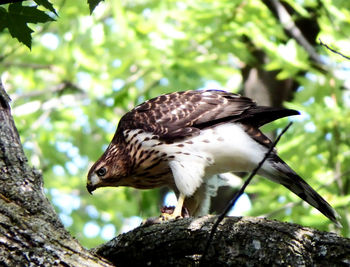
x=226, y=147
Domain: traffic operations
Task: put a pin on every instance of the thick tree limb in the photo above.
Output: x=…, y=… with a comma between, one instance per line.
x=238, y=242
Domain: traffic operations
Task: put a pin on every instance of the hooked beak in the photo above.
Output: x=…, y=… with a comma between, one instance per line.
x=92, y=183
x=90, y=188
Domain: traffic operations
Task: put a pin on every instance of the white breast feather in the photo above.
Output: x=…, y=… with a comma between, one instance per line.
x=225, y=148
x=187, y=174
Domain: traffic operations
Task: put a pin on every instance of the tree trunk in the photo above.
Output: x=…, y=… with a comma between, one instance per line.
x=30, y=232
x=32, y=235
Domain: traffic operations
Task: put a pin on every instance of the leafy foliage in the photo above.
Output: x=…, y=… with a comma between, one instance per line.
x=84, y=72
x=47, y=5
x=17, y=17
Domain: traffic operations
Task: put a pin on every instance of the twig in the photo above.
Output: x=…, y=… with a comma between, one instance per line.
x=239, y=193
x=334, y=51
x=4, y=198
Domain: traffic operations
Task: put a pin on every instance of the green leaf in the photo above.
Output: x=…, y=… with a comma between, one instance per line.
x=19, y=29
x=3, y=19
x=46, y=4
x=17, y=18
x=93, y=4
x=28, y=14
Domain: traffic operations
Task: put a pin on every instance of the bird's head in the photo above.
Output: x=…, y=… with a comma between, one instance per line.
x=110, y=170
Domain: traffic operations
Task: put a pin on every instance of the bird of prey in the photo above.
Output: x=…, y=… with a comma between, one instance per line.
x=182, y=139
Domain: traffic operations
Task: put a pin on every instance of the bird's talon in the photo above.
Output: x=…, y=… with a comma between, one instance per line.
x=167, y=214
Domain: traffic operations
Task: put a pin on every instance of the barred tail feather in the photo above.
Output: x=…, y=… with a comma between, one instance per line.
x=288, y=178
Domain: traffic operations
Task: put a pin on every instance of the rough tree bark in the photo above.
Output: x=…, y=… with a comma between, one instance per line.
x=30, y=232
x=32, y=235
x=238, y=242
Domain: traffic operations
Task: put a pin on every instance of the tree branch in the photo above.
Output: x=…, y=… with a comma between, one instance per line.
x=290, y=26
x=238, y=242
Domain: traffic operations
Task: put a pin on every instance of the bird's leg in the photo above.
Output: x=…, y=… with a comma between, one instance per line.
x=177, y=211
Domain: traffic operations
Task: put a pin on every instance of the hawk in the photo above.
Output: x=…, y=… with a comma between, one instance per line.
x=182, y=139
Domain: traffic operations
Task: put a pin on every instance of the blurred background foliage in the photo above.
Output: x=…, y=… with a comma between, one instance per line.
x=84, y=72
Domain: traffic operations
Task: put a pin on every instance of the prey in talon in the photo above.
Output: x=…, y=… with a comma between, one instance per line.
x=168, y=213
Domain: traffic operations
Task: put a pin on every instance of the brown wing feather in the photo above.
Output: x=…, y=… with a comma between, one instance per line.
x=181, y=114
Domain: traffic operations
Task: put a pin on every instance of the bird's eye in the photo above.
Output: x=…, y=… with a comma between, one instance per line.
x=101, y=172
